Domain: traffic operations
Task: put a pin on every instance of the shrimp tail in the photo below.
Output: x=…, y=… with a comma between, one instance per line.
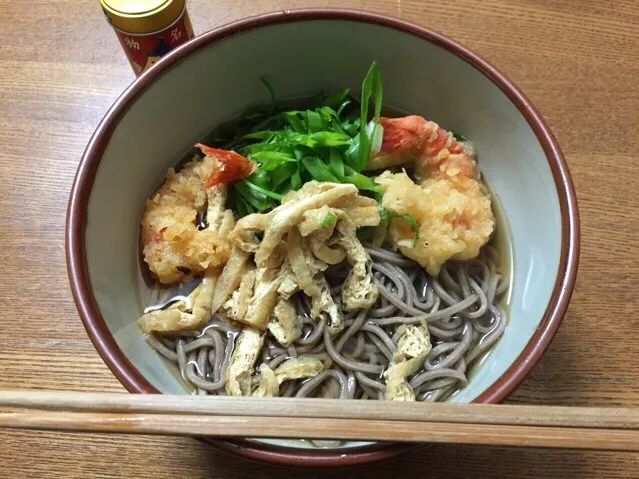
x=231, y=166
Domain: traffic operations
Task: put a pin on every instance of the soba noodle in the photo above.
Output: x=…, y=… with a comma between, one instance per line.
x=460, y=308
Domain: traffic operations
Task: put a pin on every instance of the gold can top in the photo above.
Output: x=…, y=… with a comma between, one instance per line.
x=142, y=16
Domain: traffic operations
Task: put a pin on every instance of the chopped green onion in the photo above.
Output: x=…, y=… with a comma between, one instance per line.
x=324, y=140
x=260, y=201
x=365, y=233
x=318, y=170
x=282, y=174
x=264, y=191
x=371, y=86
x=258, y=135
x=294, y=120
x=343, y=106
x=314, y=122
x=336, y=99
x=296, y=181
x=361, y=181
x=389, y=215
x=327, y=220
x=270, y=160
x=329, y=138
x=336, y=162
x=413, y=224
x=243, y=208
x=299, y=153
x=260, y=178
x=458, y=137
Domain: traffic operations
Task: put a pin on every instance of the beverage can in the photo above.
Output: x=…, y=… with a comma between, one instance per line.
x=148, y=29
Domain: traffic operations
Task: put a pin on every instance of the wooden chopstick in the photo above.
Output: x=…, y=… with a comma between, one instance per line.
x=540, y=426
x=594, y=417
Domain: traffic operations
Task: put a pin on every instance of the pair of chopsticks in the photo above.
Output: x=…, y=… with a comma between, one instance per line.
x=504, y=425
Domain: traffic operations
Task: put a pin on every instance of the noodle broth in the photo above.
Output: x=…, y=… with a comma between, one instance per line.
x=501, y=241
x=150, y=294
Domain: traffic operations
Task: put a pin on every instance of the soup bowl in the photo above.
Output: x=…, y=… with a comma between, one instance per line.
x=216, y=76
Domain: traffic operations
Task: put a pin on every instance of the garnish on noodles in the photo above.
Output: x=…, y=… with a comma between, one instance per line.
x=341, y=253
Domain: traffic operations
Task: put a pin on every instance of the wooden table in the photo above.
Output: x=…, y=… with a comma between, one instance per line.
x=61, y=67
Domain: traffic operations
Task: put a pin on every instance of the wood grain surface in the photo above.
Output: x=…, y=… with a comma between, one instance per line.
x=61, y=67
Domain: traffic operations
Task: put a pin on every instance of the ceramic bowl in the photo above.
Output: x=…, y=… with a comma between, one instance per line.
x=216, y=76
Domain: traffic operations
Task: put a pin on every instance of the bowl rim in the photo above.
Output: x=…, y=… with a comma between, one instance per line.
x=131, y=378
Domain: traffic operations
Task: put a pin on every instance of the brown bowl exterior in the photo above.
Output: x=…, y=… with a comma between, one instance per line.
x=136, y=383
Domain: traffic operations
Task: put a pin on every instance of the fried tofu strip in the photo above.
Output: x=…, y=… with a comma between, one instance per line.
x=298, y=368
x=280, y=220
x=288, y=216
x=180, y=316
x=318, y=226
x=231, y=276
x=236, y=306
x=260, y=306
x=304, y=264
x=254, y=302
x=295, y=368
x=358, y=290
x=412, y=349
x=289, y=284
x=361, y=210
x=324, y=303
x=284, y=326
x=268, y=386
x=308, y=274
x=241, y=366
x=243, y=235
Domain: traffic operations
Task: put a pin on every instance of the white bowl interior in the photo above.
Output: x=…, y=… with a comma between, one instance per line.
x=222, y=79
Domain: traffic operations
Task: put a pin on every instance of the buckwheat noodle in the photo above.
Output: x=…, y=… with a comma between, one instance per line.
x=460, y=308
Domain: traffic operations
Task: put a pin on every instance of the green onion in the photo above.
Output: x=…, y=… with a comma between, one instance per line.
x=335, y=100
x=327, y=139
x=258, y=200
x=258, y=135
x=336, y=162
x=327, y=220
x=413, y=224
x=330, y=138
x=264, y=191
x=314, y=122
x=270, y=160
x=362, y=182
x=294, y=120
x=282, y=174
x=318, y=170
x=296, y=181
x=365, y=233
x=343, y=106
x=389, y=215
x=371, y=86
x=299, y=153
x=260, y=178
x=243, y=208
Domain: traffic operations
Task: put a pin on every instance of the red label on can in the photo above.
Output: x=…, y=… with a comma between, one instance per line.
x=143, y=50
